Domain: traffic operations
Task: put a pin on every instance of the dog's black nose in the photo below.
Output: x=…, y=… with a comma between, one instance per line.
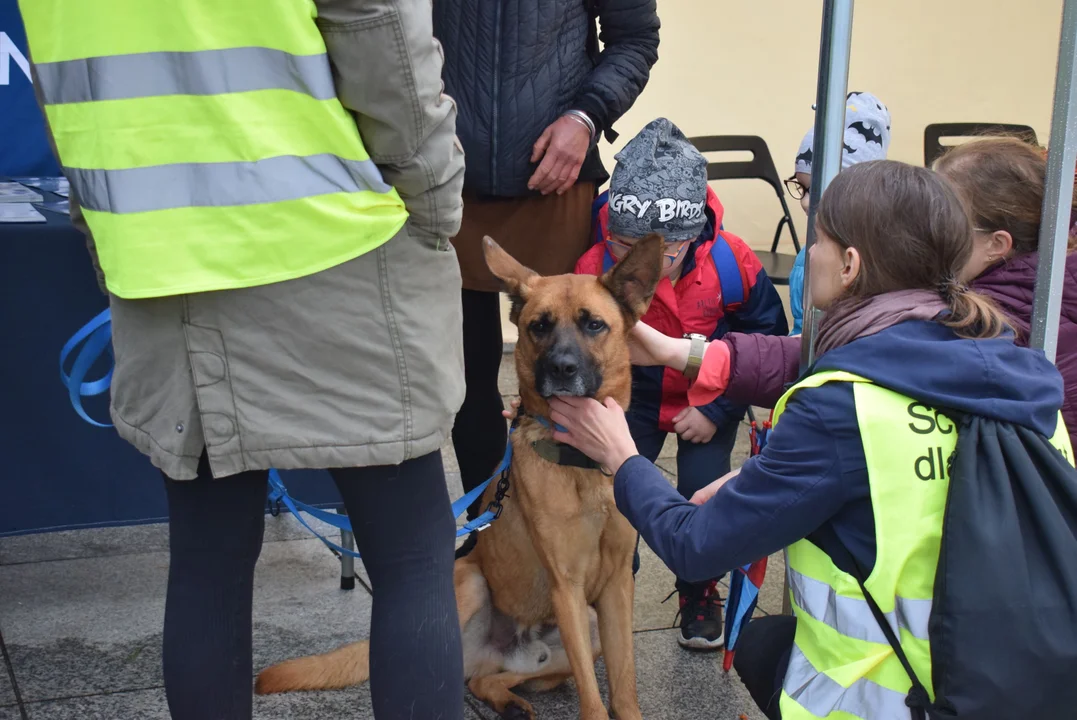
x=563, y=366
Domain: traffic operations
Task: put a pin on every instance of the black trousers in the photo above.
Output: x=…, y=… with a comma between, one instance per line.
x=215, y=537
x=479, y=433
x=762, y=657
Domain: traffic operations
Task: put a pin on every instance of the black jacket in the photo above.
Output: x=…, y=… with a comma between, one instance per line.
x=514, y=66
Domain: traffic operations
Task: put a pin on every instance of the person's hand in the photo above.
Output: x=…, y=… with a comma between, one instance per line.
x=510, y=412
x=706, y=493
x=598, y=430
x=693, y=426
x=562, y=147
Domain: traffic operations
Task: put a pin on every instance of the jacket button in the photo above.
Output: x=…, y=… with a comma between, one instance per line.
x=179, y=427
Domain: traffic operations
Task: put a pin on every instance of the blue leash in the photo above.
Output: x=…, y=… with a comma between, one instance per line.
x=279, y=494
x=95, y=337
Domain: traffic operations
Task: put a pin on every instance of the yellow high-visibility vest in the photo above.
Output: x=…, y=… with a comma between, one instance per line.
x=205, y=141
x=841, y=665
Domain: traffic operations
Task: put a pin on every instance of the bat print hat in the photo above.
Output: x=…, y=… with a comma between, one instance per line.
x=867, y=133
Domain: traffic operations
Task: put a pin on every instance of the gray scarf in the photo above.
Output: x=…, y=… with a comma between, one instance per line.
x=852, y=319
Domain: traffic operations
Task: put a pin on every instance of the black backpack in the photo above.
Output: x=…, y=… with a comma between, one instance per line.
x=1003, y=625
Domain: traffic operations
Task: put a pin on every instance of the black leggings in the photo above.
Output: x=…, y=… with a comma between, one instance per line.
x=215, y=536
x=479, y=434
x=762, y=658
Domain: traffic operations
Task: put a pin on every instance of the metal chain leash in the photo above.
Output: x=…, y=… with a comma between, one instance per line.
x=495, y=505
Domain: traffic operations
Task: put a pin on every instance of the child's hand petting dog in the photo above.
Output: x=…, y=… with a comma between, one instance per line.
x=693, y=426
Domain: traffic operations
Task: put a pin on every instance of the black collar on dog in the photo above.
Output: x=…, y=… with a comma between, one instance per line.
x=557, y=452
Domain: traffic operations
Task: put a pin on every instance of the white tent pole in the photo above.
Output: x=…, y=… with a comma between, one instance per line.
x=1057, y=197
x=834, y=48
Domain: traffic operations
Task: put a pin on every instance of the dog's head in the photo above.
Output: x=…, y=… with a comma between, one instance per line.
x=574, y=328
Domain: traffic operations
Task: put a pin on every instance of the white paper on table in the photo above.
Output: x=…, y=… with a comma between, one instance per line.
x=20, y=213
x=12, y=192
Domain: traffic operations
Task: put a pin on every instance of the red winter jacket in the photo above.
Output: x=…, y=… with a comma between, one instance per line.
x=694, y=305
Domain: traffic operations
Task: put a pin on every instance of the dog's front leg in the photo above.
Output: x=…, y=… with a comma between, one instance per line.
x=614, y=608
x=570, y=608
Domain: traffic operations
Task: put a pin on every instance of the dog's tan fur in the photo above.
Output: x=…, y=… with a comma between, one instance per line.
x=560, y=551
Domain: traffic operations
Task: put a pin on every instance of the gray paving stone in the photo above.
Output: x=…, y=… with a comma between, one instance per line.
x=71, y=544
x=773, y=590
x=654, y=583
x=7, y=694
x=136, y=539
x=151, y=705
x=99, y=629
x=672, y=684
x=10, y=713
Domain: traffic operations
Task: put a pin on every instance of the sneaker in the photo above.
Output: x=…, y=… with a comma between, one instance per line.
x=701, y=618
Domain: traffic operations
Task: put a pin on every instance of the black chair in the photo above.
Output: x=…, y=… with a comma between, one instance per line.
x=760, y=167
x=933, y=135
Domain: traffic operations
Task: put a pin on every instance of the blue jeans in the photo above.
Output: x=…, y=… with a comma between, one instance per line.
x=698, y=464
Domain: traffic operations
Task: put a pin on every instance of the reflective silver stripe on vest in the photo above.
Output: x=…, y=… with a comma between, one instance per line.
x=208, y=72
x=821, y=695
x=852, y=617
x=165, y=187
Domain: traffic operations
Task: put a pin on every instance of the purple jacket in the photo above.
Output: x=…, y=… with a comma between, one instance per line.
x=762, y=366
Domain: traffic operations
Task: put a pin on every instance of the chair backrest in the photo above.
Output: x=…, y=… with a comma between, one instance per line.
x=933, y=134
x=760, y=167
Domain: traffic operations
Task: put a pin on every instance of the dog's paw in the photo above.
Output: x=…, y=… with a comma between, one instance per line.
x=515, y=711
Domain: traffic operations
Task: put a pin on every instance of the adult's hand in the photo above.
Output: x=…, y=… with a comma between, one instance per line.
x=598, y=430
x=562, y=147
x=707, y=492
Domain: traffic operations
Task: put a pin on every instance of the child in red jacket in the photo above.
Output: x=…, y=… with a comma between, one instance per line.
x=712, y=283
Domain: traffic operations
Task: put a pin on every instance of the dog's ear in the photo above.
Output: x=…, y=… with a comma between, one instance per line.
x=632, y=281
x=516, y=278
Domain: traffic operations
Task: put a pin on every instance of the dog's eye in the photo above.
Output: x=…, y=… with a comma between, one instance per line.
x=595, y=326
x=540, y=326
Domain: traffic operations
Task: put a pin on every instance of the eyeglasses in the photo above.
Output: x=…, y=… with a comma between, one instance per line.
x=795, y=188
x=619, y=249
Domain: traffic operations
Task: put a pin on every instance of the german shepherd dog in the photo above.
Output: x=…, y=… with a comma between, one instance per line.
x=548, y=587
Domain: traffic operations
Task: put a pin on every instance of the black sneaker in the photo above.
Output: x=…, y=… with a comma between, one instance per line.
x=701, y=618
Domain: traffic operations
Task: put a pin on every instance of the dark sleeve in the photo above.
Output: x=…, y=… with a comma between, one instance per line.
x=723, y=411
x=763, y=313
x=780, y=496
x=761, y=367
x=629, y=34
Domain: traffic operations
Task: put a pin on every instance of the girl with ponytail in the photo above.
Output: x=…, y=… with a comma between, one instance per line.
x=904, y=348
x=1001, y=181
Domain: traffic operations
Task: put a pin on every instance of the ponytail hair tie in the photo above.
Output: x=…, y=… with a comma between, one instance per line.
x=949, y=288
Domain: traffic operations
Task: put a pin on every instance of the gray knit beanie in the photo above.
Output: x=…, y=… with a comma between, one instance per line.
x=659, y=185
x=867, y=133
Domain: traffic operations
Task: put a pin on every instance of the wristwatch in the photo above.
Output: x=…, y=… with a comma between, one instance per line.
x=695, y=355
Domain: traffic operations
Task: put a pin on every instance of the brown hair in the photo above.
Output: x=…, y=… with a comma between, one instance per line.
x=1001, y=180
x=912, y=233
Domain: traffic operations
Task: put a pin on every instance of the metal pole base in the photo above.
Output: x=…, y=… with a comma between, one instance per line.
x=347, y=562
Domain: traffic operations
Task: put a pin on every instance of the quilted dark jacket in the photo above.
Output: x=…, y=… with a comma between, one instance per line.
x=514, y=66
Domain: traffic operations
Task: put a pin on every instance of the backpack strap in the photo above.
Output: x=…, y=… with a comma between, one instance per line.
x=918, y=699
x=728, y=271
x=596, y=207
